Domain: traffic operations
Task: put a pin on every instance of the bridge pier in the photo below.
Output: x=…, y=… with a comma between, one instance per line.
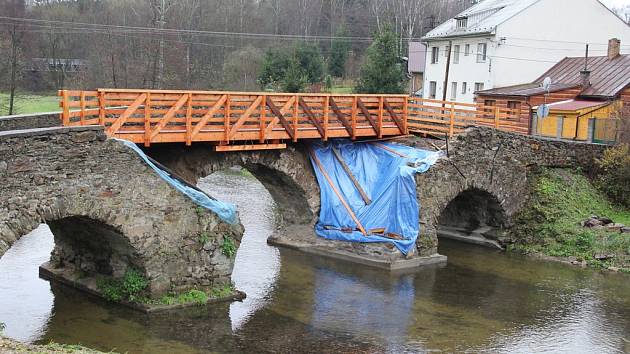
x=108, y=211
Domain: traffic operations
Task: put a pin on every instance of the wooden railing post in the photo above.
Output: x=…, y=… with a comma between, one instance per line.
x=406, y=115
x=379, y=122
x=295, y=118
x=263, y=117
x=82, y=108
x=101, y=108
x=451, y=128
x=66, y=108
x=226, y=121
x=189, y=120
x=326, y=114
x=147, y=120
x=355, y=102
x=496, y=117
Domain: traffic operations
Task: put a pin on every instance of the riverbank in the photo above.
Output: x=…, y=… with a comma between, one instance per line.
x=11, y=346
x=552, y=224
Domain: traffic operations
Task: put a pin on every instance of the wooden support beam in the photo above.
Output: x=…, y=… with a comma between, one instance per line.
x=263, y=118
x=346, y=168
x=147, y=121
x=253, y=147
x=169, y=115
x=283, y=110
x=341, y=116
x=399, y=123
x=189, y=120
x=211, y=112
x=369, y=117
x=336, y=191
x=285, y=124
x=311, y=117
x=243, y=118
x=126, y=114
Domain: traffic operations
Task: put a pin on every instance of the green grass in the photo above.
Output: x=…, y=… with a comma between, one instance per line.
x=194, y=296
x=550, y=225
x=342, y=89
x=29, y=103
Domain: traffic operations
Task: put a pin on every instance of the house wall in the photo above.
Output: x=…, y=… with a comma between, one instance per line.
x=562, y=124
x=549, y=31
x=526, y=103
x=468, y=70
x=528, y=44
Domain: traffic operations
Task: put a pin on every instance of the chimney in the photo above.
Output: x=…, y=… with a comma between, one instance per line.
x=613, y=48
x=585, y=76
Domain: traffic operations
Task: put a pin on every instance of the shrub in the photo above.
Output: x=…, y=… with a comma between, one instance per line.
x=132, y=284
x=614, y=173
x=228, y=248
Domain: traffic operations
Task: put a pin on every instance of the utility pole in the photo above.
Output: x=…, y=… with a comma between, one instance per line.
x=448, y=67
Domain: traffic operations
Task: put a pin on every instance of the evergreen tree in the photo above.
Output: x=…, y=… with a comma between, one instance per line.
x=338, y=55
x=382, y=71
x=310, y=60
x=274, y=67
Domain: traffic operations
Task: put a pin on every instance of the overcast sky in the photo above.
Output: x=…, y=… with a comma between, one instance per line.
x=615, y=3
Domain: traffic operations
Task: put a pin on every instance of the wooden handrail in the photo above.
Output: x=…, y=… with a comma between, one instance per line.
x=228, y=118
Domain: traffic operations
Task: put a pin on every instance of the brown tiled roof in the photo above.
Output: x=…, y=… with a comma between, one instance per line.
x=524, y=90
x=608, y=76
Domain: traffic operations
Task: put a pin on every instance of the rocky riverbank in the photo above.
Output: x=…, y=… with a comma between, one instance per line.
x=10, y=346
x=568, y=219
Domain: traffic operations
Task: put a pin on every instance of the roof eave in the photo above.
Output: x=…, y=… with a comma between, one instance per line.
x=462, y=35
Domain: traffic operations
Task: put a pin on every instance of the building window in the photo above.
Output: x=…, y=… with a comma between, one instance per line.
x=464, y=88
x=462, y=22
x=456, y=54
x=478, y=86
x=489, y=103
x=453, y=91
x=432, y=89
x=467, y=50
x=513, y=104
x=434, y=55
x=481, y=52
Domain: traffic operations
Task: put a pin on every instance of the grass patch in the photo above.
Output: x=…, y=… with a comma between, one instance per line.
x=193, y=296
x=550, y=224
x=30, y=103
x=228, y=247
x=342, y=89
x=129, y=288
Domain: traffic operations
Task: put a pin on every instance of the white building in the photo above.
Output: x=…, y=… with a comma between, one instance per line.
x=507, y=42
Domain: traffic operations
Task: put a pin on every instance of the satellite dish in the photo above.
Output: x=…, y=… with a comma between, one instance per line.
x=547, y=83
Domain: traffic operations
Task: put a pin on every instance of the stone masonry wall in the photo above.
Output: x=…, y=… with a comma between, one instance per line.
x=29, y=121
x=494, y=162
x=107, y=209
x=287, y=174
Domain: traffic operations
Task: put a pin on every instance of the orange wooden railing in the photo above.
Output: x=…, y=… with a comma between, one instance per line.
x=258, y=120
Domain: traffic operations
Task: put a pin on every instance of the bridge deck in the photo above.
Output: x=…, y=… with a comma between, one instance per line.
x=266, y=120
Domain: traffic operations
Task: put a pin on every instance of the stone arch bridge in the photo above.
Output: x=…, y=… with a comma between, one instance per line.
x=109, y=211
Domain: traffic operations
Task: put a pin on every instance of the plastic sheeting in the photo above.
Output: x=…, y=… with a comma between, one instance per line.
x=226, y=211
x=387, y=178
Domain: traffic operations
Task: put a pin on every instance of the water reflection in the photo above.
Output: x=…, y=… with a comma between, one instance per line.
x=482, y=301
x=25, y=299
x=256, y=279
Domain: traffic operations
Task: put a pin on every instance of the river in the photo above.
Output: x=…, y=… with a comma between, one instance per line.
x=481, y=301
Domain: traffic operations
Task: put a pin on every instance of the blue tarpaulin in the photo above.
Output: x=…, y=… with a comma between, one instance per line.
x=226, y=211
x=385, y=172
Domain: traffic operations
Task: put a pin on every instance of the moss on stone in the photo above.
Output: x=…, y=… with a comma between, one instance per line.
x=551, y=222
x=11, y=346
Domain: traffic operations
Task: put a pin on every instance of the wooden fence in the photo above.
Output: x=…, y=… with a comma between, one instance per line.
x=259, y=120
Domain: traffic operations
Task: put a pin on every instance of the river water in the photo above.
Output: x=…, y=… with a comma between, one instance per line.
x=482, y=301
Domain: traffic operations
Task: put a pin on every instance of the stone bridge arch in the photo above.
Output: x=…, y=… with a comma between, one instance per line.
x=287, y=174
x=493, y=168
x=108, y=211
